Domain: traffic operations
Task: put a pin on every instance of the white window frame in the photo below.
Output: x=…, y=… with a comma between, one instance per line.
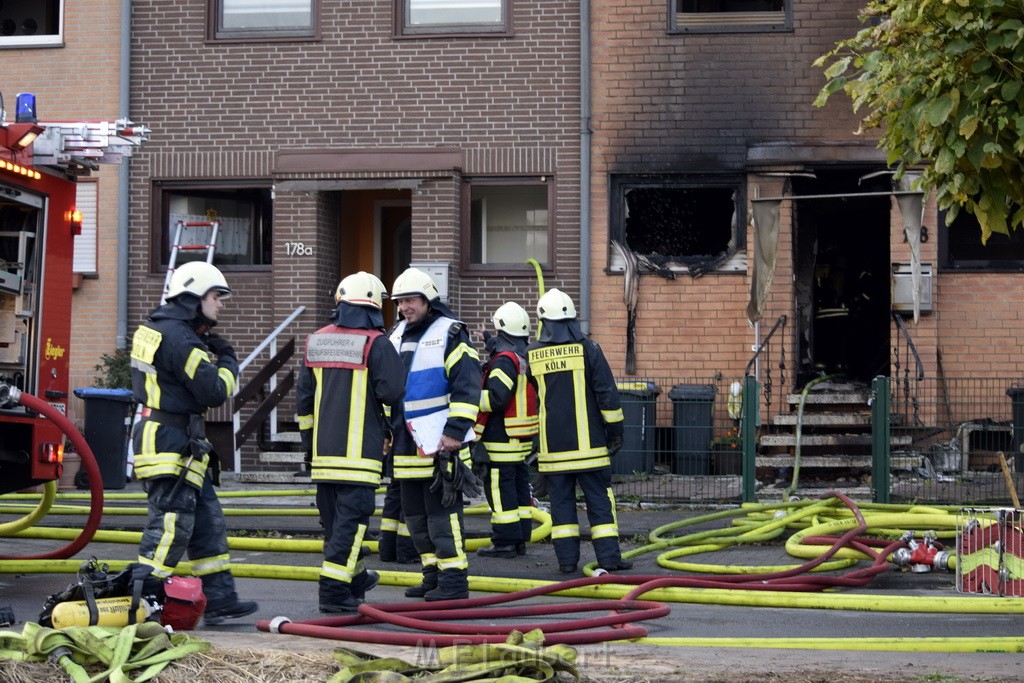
x=478, y=205
x=219, y=31
x=36, y=40
x=406, y=14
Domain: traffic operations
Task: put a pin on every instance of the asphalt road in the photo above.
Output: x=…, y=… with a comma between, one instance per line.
x=297, y=600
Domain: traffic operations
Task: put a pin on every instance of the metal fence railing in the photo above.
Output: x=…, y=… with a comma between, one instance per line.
x=957, y=427
x=681, y=443
x=684, y=440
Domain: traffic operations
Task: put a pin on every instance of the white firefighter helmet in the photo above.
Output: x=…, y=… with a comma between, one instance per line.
x=199, y=278
x=361, y=289
x=511, y=318
x=414, y=282
x=556, y=305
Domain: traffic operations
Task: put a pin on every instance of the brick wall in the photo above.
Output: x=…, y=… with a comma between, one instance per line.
x=695, y=103
x=79, y=82
x=509, y=104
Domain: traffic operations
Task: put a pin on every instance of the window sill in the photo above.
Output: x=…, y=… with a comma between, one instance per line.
x=737, y=263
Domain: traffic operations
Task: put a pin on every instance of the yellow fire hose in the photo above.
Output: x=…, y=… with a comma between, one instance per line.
x=750, y=524
x=120, y=653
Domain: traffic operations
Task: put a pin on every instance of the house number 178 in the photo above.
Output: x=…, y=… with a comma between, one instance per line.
x=297, y=249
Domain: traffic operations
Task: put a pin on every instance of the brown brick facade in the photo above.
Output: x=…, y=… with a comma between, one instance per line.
x=709, y=102
x=80, y=82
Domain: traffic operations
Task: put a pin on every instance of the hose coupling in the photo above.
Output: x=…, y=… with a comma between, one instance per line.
x=9, y=395
x=277, y=622
x=59, y=654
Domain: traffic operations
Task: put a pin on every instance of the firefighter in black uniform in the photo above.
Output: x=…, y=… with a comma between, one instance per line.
x=175, y=381
x=351, y=372
x=581, y=426
x=432, y=428
x=507, y=425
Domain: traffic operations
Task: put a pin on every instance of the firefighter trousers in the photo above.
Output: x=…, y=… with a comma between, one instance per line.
x=345, y=511
x=508, y=494
x=436, y=530
x=395, y=544
x=596, y=486
x=191, y=520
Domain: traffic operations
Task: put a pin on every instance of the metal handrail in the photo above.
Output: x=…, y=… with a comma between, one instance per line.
x=271, y=338
x=760, y=347
x=902, y=327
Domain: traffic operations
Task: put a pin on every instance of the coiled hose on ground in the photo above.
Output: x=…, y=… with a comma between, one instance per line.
x=828, y=535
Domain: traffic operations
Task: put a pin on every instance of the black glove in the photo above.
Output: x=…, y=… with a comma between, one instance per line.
x=219, y=346
x=466, y=480
x=614, y=444
x=444, y=478
x=453, y=478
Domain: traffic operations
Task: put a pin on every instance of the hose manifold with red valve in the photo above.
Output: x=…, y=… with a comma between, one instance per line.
x=922, y=556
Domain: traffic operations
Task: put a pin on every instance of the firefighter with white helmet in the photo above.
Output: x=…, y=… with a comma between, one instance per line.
x=442, y=395
x=350, y=373
x=581, y=426
x=175, y=381
x=507, y=425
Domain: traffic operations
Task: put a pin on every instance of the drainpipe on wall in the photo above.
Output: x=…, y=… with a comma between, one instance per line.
x=122, y=179
x=585, y=133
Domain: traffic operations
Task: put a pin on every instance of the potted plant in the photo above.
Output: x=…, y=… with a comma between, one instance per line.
x=727, y=453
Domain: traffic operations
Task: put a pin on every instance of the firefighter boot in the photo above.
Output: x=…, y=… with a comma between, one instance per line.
x=338, y=599
x=364, y=582
x=452, y=584
x=428, y=584
x=217, y=612
x=505, y=551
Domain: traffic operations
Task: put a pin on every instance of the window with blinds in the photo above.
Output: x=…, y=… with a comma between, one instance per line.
x=86, y=243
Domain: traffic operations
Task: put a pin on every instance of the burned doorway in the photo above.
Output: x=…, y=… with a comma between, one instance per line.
x=842, y=275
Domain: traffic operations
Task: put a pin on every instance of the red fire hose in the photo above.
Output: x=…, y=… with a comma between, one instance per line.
x=614, y=626
x=91, y=468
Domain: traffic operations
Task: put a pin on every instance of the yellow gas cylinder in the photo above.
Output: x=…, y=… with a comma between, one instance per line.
x=110, y=612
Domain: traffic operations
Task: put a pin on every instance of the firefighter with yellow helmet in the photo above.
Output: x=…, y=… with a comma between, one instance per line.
x=581, y=427
x=507, y=425
x=432, y=428
x=175, y=381
x=350, y=373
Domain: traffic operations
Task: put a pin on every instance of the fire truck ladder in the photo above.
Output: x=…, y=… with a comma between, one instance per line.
x=176, y=246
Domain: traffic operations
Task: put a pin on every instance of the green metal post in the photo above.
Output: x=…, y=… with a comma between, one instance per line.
x=749, y=422
x=880, y=439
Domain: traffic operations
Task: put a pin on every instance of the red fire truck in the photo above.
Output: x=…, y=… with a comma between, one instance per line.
x=39, y=164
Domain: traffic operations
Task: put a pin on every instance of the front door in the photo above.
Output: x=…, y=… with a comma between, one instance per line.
x=842, y=275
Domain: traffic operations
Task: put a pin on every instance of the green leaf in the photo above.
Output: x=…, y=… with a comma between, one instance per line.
x=1009, y=90
x=838, y=67
x=939, y=109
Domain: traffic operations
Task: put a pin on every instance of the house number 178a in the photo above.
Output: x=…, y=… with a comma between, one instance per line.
x=297, y=249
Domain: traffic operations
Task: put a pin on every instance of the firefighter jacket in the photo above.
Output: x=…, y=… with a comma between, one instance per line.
x=349, y=375
x=172, y=373
x=443, y=383
x=508, y=418
x=578, y=403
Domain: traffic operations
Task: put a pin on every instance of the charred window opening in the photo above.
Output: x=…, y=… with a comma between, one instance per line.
x=675, y=223
x=730, y=15
x=960, y=246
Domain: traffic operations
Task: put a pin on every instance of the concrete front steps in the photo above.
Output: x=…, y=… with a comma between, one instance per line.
x=279, y=466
